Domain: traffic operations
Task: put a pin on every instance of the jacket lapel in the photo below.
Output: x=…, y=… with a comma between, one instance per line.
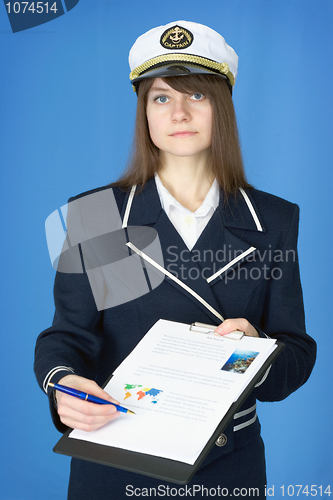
x=146, y=206
x=217, y=250
x=239, y=215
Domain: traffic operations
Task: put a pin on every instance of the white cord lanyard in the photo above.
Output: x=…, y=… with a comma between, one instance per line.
x=161, y=268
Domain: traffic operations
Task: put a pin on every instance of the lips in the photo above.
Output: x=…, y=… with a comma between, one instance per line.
x=183, y=133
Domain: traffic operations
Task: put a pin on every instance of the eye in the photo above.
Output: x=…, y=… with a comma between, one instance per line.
x=197, y=96
x=162, y=99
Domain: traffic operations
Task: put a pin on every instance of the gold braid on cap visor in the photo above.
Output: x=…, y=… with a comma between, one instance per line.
x=222, y=68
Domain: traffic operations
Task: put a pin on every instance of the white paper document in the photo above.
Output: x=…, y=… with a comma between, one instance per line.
x=180, y=384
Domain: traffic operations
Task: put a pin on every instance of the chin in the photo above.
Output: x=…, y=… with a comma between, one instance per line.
x=186, y=152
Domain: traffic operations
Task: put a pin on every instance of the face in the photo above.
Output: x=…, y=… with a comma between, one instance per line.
x=179, y=124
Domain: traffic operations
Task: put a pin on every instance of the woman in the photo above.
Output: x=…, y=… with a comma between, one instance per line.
x=233, y=245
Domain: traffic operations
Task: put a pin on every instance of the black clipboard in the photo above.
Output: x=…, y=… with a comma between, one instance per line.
x=159, y=468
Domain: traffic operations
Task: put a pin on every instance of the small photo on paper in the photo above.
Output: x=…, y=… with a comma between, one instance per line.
x=239, y=361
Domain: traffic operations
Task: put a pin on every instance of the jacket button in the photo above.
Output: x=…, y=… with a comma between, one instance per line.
x=221, y=440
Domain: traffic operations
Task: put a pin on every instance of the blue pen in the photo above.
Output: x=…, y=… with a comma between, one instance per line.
x=87, y=397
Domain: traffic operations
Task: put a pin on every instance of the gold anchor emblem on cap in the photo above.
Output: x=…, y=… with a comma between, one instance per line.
x=178, y=35
x=176, y=38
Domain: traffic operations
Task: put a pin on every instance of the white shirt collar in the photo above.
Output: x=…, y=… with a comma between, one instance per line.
x=211, y=200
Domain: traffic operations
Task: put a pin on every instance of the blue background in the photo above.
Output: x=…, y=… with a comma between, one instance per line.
x=66, y=111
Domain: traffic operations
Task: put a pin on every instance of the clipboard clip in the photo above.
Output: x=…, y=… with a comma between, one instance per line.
x=209, y=329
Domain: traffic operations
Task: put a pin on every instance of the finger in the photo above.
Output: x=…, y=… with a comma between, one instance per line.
x=230, y=325
x=90, y=387
x=86, y=385
x=67, y=412
x=85, y=420
x=84, y=407
x=237, y=324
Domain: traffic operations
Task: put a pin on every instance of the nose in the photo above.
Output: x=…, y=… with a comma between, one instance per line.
x=180, y=111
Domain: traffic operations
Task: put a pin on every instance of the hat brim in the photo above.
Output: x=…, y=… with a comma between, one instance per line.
x=176, y=69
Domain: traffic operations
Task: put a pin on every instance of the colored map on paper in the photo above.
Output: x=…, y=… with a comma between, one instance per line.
x=143, y=392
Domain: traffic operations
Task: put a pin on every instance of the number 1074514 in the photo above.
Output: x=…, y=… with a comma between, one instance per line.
x=31, y=7
x=308, y=490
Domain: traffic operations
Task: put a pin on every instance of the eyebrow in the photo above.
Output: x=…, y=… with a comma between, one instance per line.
x=159, y=89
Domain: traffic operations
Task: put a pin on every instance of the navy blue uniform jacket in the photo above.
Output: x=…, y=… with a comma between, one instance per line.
x=264, y=287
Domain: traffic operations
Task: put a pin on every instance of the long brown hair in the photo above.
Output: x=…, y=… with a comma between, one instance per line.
x=225, y=154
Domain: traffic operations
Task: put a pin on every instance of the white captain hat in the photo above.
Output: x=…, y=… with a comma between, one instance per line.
x=182, y=48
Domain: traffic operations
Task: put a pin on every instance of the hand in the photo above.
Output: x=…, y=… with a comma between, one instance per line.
x=239, y=324
x=79, y=414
